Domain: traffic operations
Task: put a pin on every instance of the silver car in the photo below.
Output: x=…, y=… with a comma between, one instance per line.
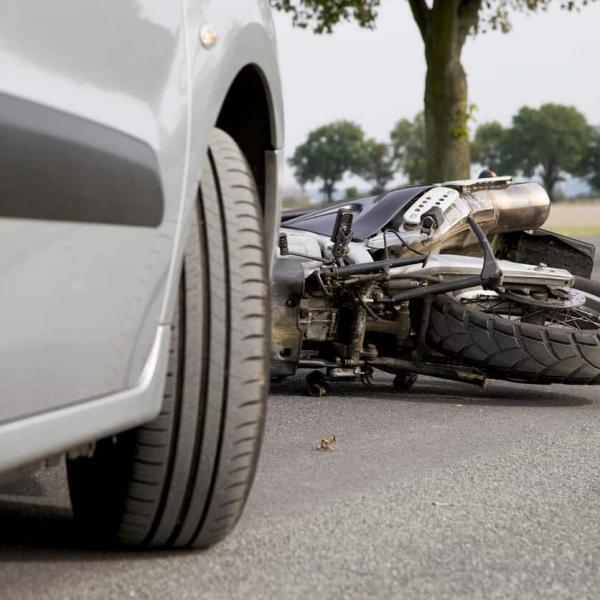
x=140, y=151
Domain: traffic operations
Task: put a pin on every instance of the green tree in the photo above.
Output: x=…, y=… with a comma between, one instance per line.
x=488, y=147
x=444, y=26
x=351, y=193
x=408, y=143
x=551, y=141
x=379, y=165
x=591, y=161
x=328, y=153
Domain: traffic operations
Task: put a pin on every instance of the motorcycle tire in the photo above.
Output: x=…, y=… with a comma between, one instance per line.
x=513, y=350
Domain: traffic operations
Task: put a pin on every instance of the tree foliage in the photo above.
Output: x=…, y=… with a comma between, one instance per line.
x=408, y=144
x=591, y=162
x=323, y=15
x=444, y=26
x=553, y=137
x=495, y=14
x=351, y=193
x=488, y=146
x=329, y=153
x=549, y=141
x=379, y=165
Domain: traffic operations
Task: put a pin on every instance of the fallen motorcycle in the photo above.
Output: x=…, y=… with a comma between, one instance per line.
x=455, y=281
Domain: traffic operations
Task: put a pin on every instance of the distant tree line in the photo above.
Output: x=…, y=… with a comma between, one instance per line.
x=550, y=142
x=444, y=25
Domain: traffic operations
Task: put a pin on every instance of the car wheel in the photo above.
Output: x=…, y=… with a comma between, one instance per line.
x=183, y=479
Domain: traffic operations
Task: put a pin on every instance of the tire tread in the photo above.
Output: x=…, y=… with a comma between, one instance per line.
x=514, y=350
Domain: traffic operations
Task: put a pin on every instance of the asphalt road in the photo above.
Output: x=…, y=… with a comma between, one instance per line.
x=447, y=492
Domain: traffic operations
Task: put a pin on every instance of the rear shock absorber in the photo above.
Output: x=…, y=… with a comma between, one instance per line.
x=284, y=248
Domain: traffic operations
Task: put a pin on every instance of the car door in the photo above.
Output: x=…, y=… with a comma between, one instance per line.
x=93, y=128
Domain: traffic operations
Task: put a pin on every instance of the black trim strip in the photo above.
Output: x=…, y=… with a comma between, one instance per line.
x=61, y=167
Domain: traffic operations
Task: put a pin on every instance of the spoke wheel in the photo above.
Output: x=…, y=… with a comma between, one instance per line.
x=583, y=317
x=515, y=341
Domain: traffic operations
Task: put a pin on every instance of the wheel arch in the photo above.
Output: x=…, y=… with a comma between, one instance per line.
x=248, y=116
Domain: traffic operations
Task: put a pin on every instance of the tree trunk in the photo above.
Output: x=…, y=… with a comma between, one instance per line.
x=444, y=28
x=446, y=113
x=550, y=177
x=329, y=188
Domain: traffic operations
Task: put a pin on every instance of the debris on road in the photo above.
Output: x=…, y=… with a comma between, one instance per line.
x=327, y=443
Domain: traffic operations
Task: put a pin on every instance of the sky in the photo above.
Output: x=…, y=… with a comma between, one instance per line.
x=377, y=77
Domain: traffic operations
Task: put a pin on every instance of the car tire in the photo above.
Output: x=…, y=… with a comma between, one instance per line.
x=182, y=480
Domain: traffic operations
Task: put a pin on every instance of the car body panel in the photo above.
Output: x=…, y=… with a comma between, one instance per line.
x=50, y=433
x=84, y=300
x=245, y=36
x=81, y=301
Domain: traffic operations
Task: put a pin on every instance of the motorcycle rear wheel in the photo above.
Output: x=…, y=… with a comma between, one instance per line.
x=515, y=350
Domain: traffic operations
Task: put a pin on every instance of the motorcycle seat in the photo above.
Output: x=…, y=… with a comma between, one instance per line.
x=371, y=215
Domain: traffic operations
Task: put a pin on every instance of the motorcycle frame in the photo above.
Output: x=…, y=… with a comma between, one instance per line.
x=363, y=272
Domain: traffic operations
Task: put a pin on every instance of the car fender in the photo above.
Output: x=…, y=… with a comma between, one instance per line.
x=211, y=73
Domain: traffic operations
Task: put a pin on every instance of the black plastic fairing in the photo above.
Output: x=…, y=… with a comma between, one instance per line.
x=555, y=250
x=371, y=215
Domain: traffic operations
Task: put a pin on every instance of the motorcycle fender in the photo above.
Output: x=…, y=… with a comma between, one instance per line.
x=553, y=249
